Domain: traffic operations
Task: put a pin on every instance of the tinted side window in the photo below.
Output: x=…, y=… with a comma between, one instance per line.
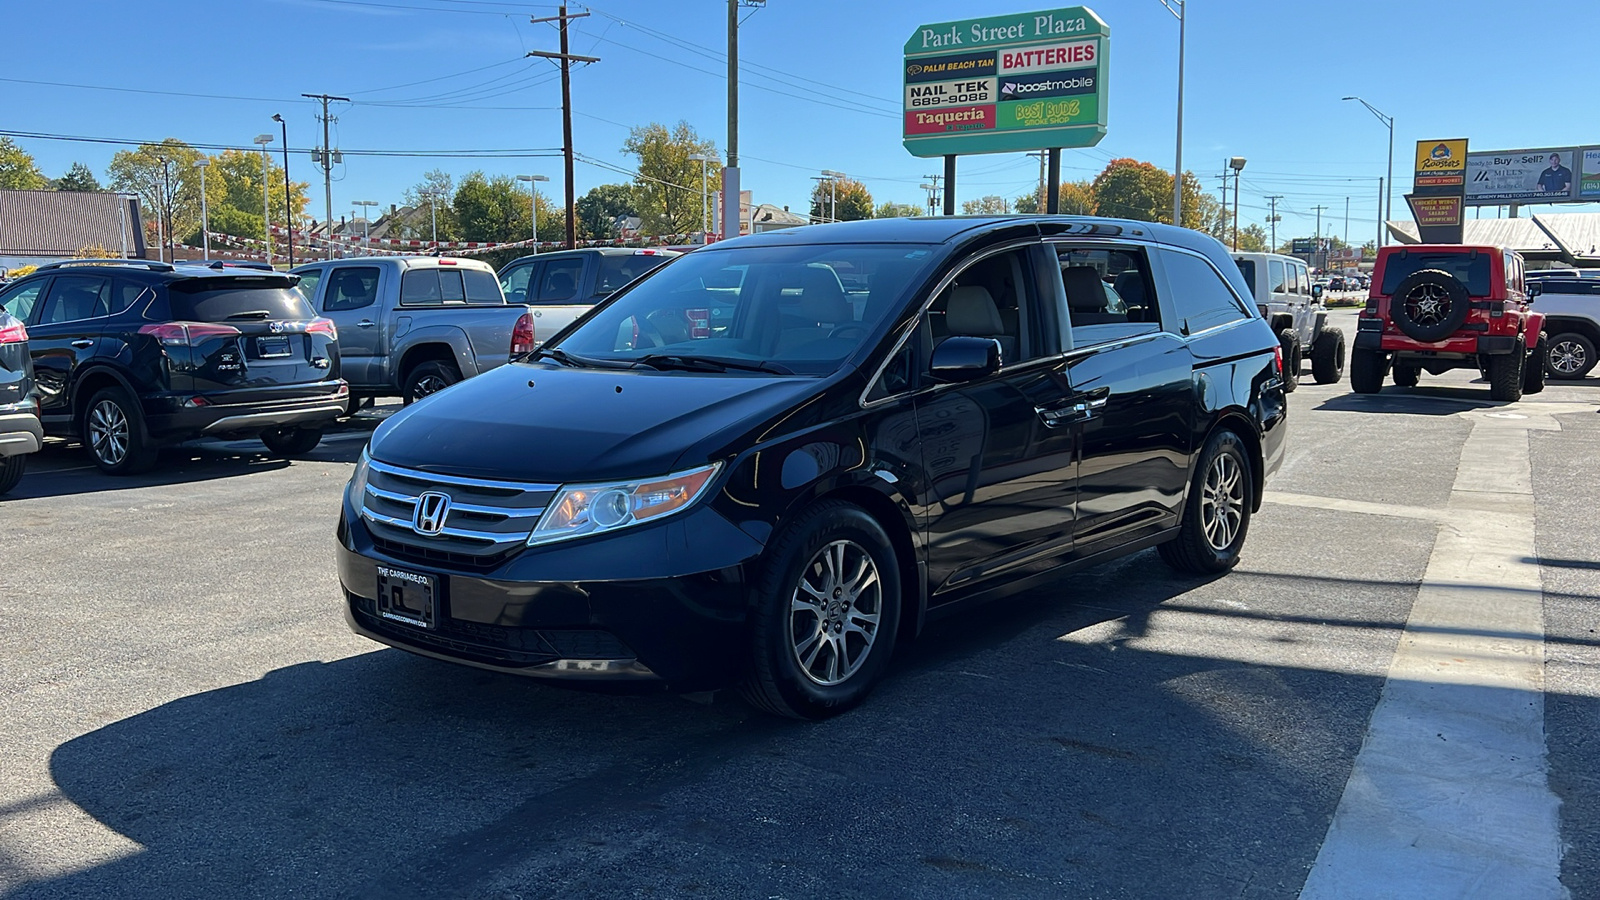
x=20, y=300
x=482, y=287
x=1275, y=278
x=1202, y=299
x=1247, y=268
x=128, y=293
x=350, y=287
x=899, y=376
x=559, y=283
x=514, y=282
x=1108, y=286
x=420, y=287
x=308, y=283
x=617, y=270
x=76, y=297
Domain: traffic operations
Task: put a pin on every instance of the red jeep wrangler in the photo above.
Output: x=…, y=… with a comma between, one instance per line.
x=1437, y=307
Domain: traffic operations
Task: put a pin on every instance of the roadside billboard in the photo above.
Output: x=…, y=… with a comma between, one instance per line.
x=1589, y=185
x=1026, y=81
x=1524, y=176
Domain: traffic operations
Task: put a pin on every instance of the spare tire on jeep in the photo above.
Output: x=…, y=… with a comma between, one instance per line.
x=1429, y=305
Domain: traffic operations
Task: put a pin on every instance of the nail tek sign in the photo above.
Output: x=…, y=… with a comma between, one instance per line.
x=1005, y=83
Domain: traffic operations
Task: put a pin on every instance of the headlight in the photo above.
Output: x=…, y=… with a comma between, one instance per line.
x=584, y=509
x=358, y=480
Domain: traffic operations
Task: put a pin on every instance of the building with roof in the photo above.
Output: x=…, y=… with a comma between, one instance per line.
x=37, y=227
x=1563, y=239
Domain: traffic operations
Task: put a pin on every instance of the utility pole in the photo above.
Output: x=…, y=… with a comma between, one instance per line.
x=325, y=157
x=1041, y=154
x=1319, y=208
x=565, y=59
x=936, y=197
x=1347, y=221
x=1273, y=220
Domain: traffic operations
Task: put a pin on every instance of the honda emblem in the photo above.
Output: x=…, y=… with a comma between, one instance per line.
x=432, y=510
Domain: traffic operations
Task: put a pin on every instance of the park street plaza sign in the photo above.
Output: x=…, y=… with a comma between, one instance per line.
x=1028, y=81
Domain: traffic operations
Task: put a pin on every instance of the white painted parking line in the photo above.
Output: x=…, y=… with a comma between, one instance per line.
x=1449, y=796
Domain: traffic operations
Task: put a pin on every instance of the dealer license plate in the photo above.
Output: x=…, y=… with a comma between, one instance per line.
x=272, y=347
x=407, y=597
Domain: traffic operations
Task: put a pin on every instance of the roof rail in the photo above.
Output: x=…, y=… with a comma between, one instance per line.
x=152, y=265
x=227, y=264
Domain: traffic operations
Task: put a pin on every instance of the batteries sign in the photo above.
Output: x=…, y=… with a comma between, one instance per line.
x=1026, y=81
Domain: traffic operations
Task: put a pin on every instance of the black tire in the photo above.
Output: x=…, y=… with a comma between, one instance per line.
x=114, y=434
x=1429, y=305
x=1533, y=370
x=1367, y=368
x=1327, y=357
x=428, y=378
x=291, y=441
x=1406, y=376
x=777, y=680
x=1570, y=357
x=1505, y=376
x=1291, y=358
x=11, y=469
x=1223, y=471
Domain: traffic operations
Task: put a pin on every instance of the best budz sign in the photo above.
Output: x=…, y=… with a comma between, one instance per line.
x=1028, y=81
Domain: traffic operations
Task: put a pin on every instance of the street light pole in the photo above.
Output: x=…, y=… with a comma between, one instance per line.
x=288, y=208
x=1237, y=165
x=205, y=216
x=533, y=204
x=266, y=207
x=705, y=203
x=1178, y=8
x=833, y=193
x=1388, y=121
x=366, y=219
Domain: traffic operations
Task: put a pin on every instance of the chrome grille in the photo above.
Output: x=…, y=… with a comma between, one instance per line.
x=485, y=518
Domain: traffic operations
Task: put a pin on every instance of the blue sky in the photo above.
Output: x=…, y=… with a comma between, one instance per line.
x=821, y=89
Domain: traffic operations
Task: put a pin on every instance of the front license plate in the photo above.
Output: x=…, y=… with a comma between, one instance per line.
x=407, y=597
x=272, y=347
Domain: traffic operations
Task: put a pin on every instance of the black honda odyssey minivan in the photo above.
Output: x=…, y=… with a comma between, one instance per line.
x=774, y=458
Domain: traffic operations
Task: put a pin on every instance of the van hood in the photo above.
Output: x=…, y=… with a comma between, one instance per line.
x=545, y=423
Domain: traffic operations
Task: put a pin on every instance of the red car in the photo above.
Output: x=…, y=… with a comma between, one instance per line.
x=1437, y=307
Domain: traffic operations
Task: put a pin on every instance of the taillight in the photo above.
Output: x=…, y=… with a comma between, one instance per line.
x=13, y=334
x=1277, y=358
x=522, y=335
x=180, y=334
x=319, y=325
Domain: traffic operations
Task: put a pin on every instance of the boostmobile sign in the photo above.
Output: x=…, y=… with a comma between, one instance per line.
x=1028, y=81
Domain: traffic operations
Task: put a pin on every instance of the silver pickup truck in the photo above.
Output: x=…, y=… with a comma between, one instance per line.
x=565, y=284
x=412, y=325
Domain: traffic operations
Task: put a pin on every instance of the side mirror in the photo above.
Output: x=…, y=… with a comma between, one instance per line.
x=1535, y=290
x=1316, y=292
x=961, y=358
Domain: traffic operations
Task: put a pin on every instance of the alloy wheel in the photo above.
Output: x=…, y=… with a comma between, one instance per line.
x=428, y=384
x=1428, y=304
x=1568, y=357
x=834, y=613
x=108, y=432
x=1222, y=502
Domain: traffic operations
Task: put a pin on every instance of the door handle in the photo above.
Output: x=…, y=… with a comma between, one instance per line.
x=1081, y=408
x=81, y=344
x=365, y=323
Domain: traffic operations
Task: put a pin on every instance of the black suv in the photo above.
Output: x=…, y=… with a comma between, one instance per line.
x=891, y=418
x=129, y=355
x=20, y=432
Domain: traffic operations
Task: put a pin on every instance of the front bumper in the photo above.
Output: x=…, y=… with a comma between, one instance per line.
x=663, y=603
x=168, y=418
x=20, y=432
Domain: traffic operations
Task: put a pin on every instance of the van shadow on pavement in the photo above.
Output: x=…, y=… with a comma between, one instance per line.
x=994, y=760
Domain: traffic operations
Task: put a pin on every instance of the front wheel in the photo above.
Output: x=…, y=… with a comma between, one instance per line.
x=11, y=468
x=1367, y=368
x=291, y=441
x=1216, y=517
x=827, y=610
x=429, y=378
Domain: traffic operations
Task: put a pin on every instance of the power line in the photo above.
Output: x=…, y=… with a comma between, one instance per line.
x=528, y=153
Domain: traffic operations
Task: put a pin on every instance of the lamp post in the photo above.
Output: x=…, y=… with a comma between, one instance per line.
x=1388, y=121
x=533, y=204
x=266, y=199
x=366, y=218
x=288, y=208
x=1237, y=165
x=1179, y=9
x=705, y=204
x=833, y=193
x=433, y=216
x=205, y=216
x=164, y=214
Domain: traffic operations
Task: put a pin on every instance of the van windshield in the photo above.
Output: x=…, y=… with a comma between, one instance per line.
x=801, y=309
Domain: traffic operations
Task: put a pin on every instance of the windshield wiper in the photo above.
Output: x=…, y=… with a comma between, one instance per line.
x=579, y=362
x=252, y=314
x=708, y=364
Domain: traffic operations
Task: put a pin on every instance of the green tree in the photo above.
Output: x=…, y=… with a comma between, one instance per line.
x=599, y=207
x=1253, y=238
x=164, y=178
x=17, y=169
x=491, y=209
x=668, y=188
x=78, y=177
x=431, y=199
x=234, y=180
x=1076, y=198
x=991, y=205
x=841, y=200
x=1130, y=189
x=889, y=209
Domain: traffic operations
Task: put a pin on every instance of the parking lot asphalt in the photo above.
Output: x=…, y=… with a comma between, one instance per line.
x=186, y=715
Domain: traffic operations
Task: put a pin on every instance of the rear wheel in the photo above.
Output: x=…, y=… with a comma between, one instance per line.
x=1407, y=376
x=1367, y=368
x=1216, y=516
x=1571, y=356
x=1533, y=371
x=1505, y=376
x=827, y=612
x=11, y=468
x=291, y=441
x=1327, y=356
x=429, y=378
x=113, y=431
x=1291, y=358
